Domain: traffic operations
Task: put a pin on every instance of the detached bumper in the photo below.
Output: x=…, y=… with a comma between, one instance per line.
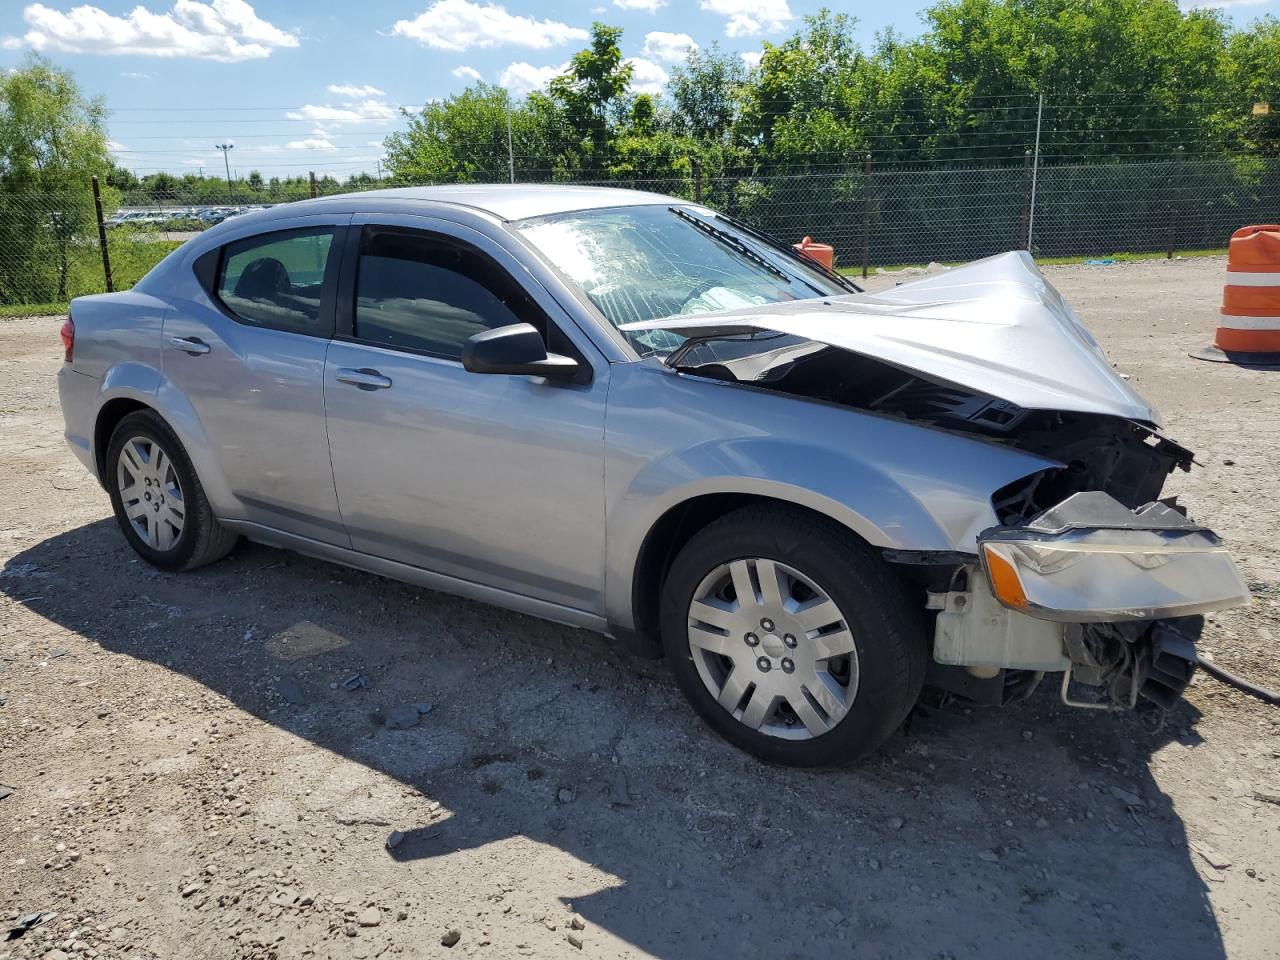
x=1110, y=596
x=1092, y=560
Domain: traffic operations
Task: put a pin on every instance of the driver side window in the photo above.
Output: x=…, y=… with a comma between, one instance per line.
x=276, y=280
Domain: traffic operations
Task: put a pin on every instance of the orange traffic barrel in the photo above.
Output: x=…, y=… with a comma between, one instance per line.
x=822, y=252
x=1249, y=324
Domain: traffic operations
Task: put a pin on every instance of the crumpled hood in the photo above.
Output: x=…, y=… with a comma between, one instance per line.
x=995, y=326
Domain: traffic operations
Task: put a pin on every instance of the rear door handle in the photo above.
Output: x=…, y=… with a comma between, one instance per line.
x=192, y=345
x=365, y=378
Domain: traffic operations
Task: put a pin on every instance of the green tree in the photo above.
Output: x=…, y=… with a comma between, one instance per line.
x=593, y=92
x=706, y=92
x=52, y=141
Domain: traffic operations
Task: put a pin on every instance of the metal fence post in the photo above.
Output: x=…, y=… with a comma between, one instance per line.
x=697, y=180
x=866, y=214
x=1024, y=231
x=102, y=236
x=1173, y=208
x=313, y=184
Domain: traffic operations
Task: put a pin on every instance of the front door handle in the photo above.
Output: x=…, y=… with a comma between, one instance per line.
x=365, y=378
x=192, y=345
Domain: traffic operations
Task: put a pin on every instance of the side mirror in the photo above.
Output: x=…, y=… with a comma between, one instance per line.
x=517, y=349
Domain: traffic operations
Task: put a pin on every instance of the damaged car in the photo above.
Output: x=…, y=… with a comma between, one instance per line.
x=629, y=413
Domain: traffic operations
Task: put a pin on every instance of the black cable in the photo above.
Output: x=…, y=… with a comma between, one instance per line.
x=1231, y=680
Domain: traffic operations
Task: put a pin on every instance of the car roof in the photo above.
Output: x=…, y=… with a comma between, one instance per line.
x=515, y=201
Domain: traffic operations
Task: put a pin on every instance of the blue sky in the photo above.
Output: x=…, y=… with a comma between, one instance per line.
x=316, y=86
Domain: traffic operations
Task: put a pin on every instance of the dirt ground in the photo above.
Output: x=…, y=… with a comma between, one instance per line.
x=187, y=775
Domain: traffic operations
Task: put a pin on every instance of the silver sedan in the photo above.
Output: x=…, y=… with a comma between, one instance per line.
x=626, y=412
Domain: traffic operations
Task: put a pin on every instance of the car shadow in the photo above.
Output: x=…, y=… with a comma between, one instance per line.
x=975, y=832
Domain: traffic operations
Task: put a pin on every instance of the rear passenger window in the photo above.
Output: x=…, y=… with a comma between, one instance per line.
x=275, y=280
x=417, y=292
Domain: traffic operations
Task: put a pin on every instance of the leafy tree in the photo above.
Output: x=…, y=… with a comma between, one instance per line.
x=593, y=92
x=706, y=91
x=52, y=141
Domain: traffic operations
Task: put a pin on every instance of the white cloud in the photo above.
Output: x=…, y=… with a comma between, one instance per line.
x=648, y=6
x=116, y=147
x=463, y=25
x=364, y=111
x=750, y=18
x=10, y=43
x=135, y=75
x=310, y=143
x=523, y=78
x=228, y=31
x=355, y=90
x=466, y=73
x=647, y=76
x=668, y=47
x=374, y=143
x=752, y=58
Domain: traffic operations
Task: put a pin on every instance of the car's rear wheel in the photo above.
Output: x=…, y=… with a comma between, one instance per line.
x=157, y=498
x=791, y=637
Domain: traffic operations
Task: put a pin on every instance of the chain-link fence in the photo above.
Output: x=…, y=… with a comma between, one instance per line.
x=877, y=215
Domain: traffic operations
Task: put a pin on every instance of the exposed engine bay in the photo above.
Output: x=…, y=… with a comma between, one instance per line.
x=1128, y=460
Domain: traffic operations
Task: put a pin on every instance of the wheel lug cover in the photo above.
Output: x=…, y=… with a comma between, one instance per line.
x=788, y=666
x=789, y=640
x=752, y=640
x=764, y=664
x=766, y=624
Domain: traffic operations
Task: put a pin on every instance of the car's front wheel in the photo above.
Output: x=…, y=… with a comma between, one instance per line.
x=791, y=637
x=157, y=497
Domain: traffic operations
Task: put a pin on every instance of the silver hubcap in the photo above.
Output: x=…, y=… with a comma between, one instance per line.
x=150, y=493
x=773, y=648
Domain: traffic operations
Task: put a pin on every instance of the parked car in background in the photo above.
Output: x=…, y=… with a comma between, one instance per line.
x=626, y=412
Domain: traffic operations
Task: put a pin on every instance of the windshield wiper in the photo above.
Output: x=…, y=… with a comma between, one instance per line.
x=730, y=241
x=790, y=251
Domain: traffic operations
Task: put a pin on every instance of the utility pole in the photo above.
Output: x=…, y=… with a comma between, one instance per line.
x=1035, y=173
x=226, y=150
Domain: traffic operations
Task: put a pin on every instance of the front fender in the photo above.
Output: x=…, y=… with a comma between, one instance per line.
x=895, y=484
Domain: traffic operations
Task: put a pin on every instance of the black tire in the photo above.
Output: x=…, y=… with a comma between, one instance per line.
x=888, y=626
x=202, y=540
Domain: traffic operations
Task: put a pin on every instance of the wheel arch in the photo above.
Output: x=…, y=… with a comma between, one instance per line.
x=668, y=535
x=109, y=416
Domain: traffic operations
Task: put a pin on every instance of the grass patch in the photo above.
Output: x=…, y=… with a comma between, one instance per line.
x=31, y=310
x=1122, y=257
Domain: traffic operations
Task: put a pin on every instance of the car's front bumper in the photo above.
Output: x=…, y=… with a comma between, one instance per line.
x=1110, y=596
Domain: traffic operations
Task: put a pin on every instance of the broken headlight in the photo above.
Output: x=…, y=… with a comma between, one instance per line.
x=1092, y=560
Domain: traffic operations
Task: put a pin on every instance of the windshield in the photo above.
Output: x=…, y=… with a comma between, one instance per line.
x=648, y=262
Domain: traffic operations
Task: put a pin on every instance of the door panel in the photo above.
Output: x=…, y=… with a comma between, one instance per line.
x=259, y=393
x=491, y=478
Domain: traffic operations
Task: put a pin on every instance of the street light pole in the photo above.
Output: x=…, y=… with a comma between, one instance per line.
x=226, y=150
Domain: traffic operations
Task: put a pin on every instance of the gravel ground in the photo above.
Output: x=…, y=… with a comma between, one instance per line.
x=186, y=773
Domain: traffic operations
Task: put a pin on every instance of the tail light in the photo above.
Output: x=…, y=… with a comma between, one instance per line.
x=68, y=334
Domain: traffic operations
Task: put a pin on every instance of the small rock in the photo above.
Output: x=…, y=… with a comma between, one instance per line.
x=834, y=917
x=393, y=839
x=873, y=863
x=1041, y=823
x=1210, y=855
x=1127, y=797
x=369, y=917
x=896, y=823
x=401, y=717
x=565, y=795
x=57, y=955
x=356, y=681
x=574, y=940
x=191, y=888
x=989, y=856
x=577, y=923
x=422, y=708
x=450, y=938
x=1228, y=463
